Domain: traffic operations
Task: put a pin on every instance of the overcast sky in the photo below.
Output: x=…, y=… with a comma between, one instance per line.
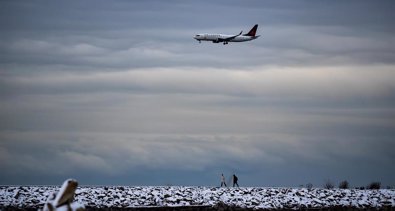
x=119, y=92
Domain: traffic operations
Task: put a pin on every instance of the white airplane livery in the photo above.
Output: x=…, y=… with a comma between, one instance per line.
x=225, y=39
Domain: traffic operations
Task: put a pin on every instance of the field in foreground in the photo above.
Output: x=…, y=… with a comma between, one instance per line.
x=125, y=197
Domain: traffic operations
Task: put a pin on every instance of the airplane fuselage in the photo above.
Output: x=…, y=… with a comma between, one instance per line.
x=216, y=38
x=224, y=38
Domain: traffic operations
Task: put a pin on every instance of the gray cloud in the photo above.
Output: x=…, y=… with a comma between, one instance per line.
x=121, y=91
x=126, y=35
x=94, y=154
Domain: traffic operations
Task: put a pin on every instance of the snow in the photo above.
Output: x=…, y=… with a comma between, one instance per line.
x=246, y=197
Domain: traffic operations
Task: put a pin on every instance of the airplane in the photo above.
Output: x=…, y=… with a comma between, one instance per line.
x=225, y=39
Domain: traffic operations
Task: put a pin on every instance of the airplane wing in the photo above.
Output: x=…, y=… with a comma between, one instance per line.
x=229, y=38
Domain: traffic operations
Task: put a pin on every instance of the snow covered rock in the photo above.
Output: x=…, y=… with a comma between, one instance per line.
x=245, y=197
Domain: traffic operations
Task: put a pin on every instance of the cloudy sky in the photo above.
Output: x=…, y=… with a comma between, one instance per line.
x=119, y=93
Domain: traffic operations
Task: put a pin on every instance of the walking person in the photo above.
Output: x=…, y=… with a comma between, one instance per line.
x=235, y=181
x=223, y=180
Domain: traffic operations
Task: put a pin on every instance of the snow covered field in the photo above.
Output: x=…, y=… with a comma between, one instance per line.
x=246, y=197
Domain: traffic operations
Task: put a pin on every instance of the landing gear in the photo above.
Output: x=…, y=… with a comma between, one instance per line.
x=225, y=43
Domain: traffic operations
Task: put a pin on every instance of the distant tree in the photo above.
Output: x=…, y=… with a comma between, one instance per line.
x=309, y=186
x=329, y=184
x=374, y=185
x=344, y=185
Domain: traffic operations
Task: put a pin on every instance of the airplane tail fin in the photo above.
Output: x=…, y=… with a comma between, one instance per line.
x=252, y=32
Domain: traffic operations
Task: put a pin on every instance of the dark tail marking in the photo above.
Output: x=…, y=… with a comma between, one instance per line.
x=252, y=32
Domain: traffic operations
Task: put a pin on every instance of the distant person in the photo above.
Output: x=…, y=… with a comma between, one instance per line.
x=235, y=181
x=223, y=180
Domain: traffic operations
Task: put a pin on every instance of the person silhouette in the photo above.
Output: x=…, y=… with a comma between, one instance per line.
x=223, y=180
x=235, y=180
